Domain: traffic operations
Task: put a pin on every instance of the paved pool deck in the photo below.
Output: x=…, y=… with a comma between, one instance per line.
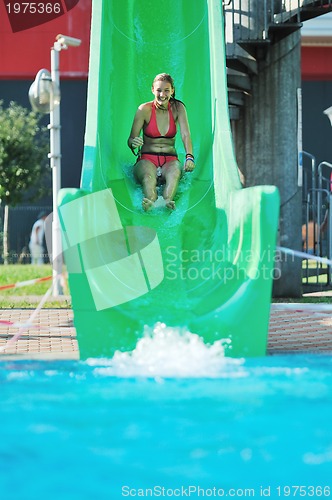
x=293, y=328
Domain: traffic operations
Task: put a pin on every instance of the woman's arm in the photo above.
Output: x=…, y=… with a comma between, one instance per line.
x=186, y=138
x=134, y=139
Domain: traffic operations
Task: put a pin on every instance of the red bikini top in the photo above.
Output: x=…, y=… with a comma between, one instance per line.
x=151, y=130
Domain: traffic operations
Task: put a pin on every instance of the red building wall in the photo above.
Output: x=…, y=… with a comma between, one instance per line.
x=316, y=62
x=23, y=53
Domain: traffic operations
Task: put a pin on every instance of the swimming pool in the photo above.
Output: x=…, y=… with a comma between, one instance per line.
x=172, y=419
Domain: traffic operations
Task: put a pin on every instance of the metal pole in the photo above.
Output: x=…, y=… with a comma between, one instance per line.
x=55, y=162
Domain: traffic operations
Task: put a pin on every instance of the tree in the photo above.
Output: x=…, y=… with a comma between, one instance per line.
x=23, y=160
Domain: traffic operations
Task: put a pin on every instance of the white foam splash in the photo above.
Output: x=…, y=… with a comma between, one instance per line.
x=168, y=352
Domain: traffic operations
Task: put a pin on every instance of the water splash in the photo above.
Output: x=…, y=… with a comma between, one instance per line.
x=165, y=352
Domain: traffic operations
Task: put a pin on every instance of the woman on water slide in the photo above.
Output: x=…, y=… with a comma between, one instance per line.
x=157, y=156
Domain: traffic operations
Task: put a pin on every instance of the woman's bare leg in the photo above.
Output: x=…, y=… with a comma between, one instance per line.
x=145, y=173
x=171, y=172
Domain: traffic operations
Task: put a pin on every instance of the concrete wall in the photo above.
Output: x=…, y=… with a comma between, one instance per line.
x=266, y=146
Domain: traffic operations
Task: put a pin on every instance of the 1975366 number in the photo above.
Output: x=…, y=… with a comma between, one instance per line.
x=33, y=8
x=303, y=491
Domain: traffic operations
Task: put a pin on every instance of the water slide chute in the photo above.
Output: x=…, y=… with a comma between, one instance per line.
x=208, y=265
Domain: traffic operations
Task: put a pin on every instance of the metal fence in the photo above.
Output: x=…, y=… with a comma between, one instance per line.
x=317, y=220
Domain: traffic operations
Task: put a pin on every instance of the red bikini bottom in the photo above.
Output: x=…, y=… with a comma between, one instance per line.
x=158, y=159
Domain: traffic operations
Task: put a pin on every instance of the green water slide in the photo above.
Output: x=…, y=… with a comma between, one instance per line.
x=207, y=266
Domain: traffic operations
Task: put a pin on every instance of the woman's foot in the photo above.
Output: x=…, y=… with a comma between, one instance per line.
x=147, y=204
x=170, y=204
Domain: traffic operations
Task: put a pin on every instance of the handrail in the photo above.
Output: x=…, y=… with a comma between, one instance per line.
x=313, y=167
x=253, y=23
x=320, y=187
x=318, y=197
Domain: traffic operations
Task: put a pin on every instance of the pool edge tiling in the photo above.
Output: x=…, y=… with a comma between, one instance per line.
x=52, y=336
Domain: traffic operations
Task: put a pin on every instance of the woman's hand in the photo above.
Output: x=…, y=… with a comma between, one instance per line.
x=137, y=142
x=189, y=166
x=189, y=163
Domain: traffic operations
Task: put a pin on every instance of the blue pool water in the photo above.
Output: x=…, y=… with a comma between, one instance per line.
x=172, y=419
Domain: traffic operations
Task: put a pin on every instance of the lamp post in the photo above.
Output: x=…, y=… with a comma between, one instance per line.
x=328, y=112
x=44, y=96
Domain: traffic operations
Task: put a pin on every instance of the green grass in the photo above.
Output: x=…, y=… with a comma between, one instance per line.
x=324, y=299
x=28, y=296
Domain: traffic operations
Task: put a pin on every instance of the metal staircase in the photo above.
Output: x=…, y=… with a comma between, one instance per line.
x=251, y=27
